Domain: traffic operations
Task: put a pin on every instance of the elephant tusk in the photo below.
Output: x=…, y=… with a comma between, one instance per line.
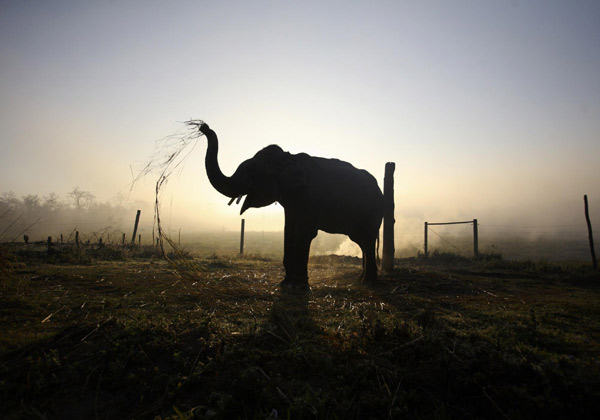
x=239, y=198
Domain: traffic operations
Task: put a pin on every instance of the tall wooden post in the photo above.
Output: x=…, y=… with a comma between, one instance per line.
x=242, y=236
x=388, y=218
x=425, y=242
x=135, y=227
x=77, y=238
x=475, y=239
x=590, y=236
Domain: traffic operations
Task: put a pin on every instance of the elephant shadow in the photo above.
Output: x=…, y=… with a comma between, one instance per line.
x=289, y=314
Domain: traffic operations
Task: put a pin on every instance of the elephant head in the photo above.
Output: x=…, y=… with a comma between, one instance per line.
x=263, y=179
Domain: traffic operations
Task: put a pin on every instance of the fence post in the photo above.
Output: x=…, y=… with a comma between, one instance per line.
x=123, y=240
x=26, y=239
x=590, y=236
x=475, y=239
x=135, y=227
x=425, y=244
x=49, y=244
x=388, y=218
x=242, y=237
x=140, y=240
x=77, y=238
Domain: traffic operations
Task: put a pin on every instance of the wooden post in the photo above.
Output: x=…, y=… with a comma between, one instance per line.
x=49, y=244
x=77, y=238
x=61, y=238
x=135, y=227
x=388, y=218
x=123, y=240
x=590, y=236
x=242, y=237
x=26, y=239
x=475, y=239
x=179, y=239
x=140, y=240
x=425, y=244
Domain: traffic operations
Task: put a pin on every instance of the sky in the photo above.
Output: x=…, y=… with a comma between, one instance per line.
x=490, y=109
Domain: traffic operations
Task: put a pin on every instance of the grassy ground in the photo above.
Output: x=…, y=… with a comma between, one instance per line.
x=97, y=337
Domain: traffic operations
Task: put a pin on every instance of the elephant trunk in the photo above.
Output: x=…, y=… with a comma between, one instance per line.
x=220, y=182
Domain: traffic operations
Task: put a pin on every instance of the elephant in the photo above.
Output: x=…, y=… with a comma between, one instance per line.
x=316, y=194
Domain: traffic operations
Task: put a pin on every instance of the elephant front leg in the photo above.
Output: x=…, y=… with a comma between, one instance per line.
x=298, y=236
x=288, y=252
x=305, y=237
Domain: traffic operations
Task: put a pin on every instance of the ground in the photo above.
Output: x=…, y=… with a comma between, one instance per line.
x=216, y=338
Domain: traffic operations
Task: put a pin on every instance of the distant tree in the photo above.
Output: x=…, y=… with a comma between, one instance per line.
x=52, y=202
x=119, y=200
x=9, y=199
x=81, y=199
x=31, y=202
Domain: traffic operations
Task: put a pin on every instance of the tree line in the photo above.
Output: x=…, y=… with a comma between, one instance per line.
x=53, y=215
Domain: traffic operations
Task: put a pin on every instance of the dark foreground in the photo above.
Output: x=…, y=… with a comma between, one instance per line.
x=456, y=339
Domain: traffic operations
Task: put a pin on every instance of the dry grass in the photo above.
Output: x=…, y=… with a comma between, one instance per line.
x=136, y=339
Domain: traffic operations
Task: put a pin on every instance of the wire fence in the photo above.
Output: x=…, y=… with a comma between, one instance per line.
x=549, y=242
x=544, y=241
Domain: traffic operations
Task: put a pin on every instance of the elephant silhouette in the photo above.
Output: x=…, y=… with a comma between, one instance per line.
x=316, y=194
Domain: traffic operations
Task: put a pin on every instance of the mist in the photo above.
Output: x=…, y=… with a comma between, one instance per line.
x=552, y=233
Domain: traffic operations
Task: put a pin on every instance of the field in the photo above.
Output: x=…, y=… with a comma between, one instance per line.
x=119, y=334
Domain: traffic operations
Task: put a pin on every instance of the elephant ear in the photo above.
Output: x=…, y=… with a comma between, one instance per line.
x=293, y=177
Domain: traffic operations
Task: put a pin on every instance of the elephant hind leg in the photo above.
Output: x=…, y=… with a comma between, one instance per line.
x=369, y=261
x=361, y=277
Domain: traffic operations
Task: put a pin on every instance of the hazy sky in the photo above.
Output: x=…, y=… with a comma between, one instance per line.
x=490, y=109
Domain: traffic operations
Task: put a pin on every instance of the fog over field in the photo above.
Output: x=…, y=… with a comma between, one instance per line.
x=50, y=215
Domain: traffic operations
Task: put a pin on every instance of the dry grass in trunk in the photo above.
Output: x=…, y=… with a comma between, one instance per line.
x=170, y=155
